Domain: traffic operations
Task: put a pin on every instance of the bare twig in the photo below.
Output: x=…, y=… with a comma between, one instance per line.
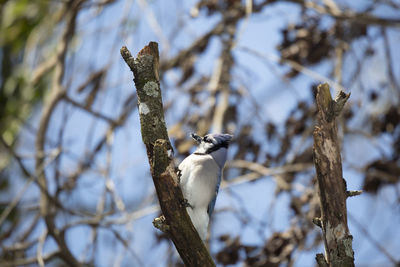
x=89, y=110
x=39, y=254
x=380, y=247
x=31, y=260
x=31, y=179
x=225, y=65
x=355, y=17
x=259, y=170
x=295, y=65
x=395, y=86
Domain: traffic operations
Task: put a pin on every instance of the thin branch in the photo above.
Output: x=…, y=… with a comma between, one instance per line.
x=89, y=110
x=390, y=67
x=31, y=178
x=56, y=95
x=125, y=243
x=294, y=65
x=39, y=254
x=355, y=17
x=222, y=82
x=119, y=122
x=259, y=170
x=31, y=260
x=373, y=241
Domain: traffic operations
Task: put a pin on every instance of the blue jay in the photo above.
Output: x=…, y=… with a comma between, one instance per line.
x=200, y=177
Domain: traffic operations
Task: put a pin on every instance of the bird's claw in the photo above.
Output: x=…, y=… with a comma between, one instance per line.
x=185, y=203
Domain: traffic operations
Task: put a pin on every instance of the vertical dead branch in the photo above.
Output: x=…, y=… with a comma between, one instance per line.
x=159, y=152
x=331, y=185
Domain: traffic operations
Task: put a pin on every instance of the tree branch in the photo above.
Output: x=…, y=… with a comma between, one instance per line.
x=57, y=94
x=159, y=153
x=331, y=185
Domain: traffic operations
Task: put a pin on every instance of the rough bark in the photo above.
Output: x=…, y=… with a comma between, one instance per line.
x=331, y=185
x=159, y=151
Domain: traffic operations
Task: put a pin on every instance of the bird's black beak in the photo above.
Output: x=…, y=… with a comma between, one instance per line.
x=196, y=137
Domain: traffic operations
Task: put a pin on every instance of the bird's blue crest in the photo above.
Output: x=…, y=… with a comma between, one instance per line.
x=221, y=138
x=211, y=142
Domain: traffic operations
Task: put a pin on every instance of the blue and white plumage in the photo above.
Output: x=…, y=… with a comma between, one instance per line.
x=200, y=177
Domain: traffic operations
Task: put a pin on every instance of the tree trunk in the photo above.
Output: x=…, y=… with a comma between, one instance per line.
x=331, y=185
x=159, y=152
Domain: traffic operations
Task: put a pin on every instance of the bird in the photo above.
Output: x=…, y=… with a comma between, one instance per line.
x=200, y=177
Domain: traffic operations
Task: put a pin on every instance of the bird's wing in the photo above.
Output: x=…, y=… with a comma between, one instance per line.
x=211, y=206
x=184, y=171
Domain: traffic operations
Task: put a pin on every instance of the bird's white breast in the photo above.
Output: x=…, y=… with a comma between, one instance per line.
x=199, y=177
x=199, y=174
